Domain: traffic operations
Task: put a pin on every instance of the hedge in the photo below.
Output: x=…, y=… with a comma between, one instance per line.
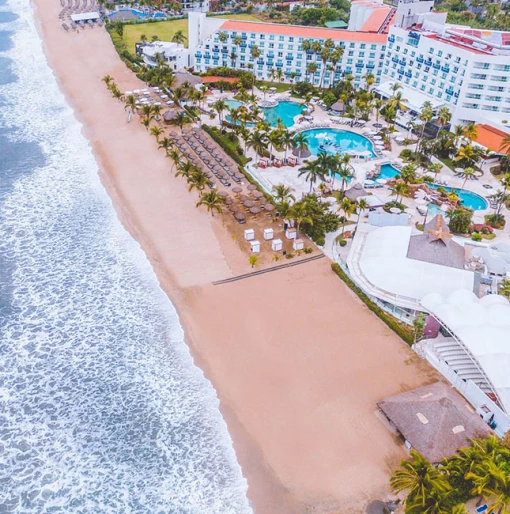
x=119, y=45
x=402, y=330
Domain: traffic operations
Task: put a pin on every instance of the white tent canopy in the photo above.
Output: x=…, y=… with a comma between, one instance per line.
x=483, y=326
x=414, y=100
x=385, y=264
x=85, y=16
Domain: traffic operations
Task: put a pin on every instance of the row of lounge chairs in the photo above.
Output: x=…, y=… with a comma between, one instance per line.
x=311, y=125
x=214, y=160
x=349, y=121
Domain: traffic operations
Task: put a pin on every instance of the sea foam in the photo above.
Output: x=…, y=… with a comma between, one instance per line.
x=101, y=407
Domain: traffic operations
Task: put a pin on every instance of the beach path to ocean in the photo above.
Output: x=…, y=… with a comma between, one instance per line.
x=297, y=361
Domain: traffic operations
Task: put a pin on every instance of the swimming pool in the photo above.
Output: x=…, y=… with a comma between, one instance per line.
x=141, y=14
x=334, y=141
x=286, y=111
x=388, y=172
x=467, y=198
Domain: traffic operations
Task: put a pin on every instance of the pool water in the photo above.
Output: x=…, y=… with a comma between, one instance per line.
x=287, y=111
x=467, y=198
x=141, y=14
x=388, y=172
x=334, y=141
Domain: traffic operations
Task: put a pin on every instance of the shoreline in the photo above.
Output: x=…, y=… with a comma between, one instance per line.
x=257, y=358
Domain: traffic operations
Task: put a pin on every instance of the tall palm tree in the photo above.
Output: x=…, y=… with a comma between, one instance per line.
x=399, y=190
x=444, y=116
x=301, y=143
x=274, y=138
x=255, y=54
x=313, y=172
x=179, y=37
x=283, y=193
x=344, y=170
x=156, y=132
x=299, y=214
x=212, y=201
x=426, y=115
x=167, y=144
x=219, y=106
x=181, y=119
x=130, y=102
x=311, y=68
x=176, y=158
x=348, y=207
x=378, y=105
x=198, y=180
x=258, y=141
x=362, y=206
x=185, y=169
x=471, y=132
x=419, y=478
x=325, y=56
x=287, y=142
x=469, y=172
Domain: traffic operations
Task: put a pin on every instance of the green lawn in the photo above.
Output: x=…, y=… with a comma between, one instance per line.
x=166, y=29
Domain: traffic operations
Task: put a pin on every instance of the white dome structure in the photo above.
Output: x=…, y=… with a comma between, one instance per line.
x=482, y=326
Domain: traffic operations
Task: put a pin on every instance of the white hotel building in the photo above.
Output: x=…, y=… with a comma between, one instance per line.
x=464, y=69
x=280, y=47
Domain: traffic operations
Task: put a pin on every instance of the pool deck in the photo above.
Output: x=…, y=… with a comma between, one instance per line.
x=271, y=176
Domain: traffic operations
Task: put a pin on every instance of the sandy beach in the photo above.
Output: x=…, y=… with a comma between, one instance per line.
x=296, y=359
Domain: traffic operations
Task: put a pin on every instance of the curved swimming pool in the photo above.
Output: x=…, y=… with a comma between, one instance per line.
x=335, y=141
x=286, y=111
x=467, y=198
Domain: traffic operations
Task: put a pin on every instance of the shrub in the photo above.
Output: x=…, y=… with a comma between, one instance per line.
x=401, y=329
x=289, y=255
x=407, y=154
x=308, y=249
x=342, y=242
x=228, y=143
x=460, y=220
x=495, y=221
x=476, y=237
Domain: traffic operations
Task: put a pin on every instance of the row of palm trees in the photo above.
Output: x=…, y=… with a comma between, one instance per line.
x=480, y=470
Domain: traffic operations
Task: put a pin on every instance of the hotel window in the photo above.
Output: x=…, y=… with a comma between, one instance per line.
x=262, y=45
x=490, y=108
x=373, y=47
x=440, y=53
x=262, y=36
x=351, y=53
x=349, y=61
x=363, y=46
x=415, y=83
x=351, y=45
x=299, y=56
x=280, y=46
x=271, y=45
x=433, y=81
x=362, y=54
x=280, y=54
x=493, y=98
x=300, y=40
x=473, y=96
x=431, y=90
x=431, y=50
x=413, y=53
x=457, y=59
x=371, y=56
x=291, y=39
x=271, y=38
x=291, y=47
x=422, y=88
x=439, y=95
x=281, y=38
x=478, y=76
x=435, y=73
x=299, y=64
x=443, y=75
x=405, y=51
x=392, y=74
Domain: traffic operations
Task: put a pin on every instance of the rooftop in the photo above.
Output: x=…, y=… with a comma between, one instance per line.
x=338, y=24
x=435, y=419
x=490, y=137
x=376, y=20
x=435, y=245
x=302, y=31
x=483, y=326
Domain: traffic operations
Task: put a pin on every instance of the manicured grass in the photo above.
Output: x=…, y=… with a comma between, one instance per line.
x=163, y=29
x=280, y=86
x=166, y=29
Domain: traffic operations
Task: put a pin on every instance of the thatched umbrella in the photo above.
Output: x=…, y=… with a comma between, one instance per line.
x=237, y=189
x=239, y=216
x=234, y=208
x=229, y=201
x=255, y=210
x=251, y=187
x=224, y=194
x=243, y=198
x=257, y=194
x=269, y=207
x=249, y=203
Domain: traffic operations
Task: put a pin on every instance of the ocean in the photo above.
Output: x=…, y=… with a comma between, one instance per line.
x=102, y=409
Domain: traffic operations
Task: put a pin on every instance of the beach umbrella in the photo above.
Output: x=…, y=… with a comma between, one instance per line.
x=269, y=207
x=251, y=187
x=257, y=194
x=229, y=201
x=224, y=194
x=243, y=198
x=237, y=189
x=249, y=203
x=255, y=210
x=239, y=216
x=381, y=181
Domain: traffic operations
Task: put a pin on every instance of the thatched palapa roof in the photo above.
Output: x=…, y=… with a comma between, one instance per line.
x=183, y=76
x=338, y=107
x=435, y=420
x=356, y=191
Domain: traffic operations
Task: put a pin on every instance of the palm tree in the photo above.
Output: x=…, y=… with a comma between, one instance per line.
x=146, y=122
x=274, y=138
x=181, y=119
x=468, y=154
x=156, y=132
x=471, y=132
x=327, y=163
x=425, y=116
x=344, y=170
x=299, y=214
x=143, y=38
x=255, y=54
x=444, y=116
x=469, y=172
x=198, y=180
x=283, y=193
x=362, y=205
x=185, y=169
x=378, y=105
x=325, y=55
x=311, y=68
x=222, y=36
x=504, y=288
x=219, y=106
x=108, y=80
x=286, y=142
x=301, y=143
x=397, y=101
x=313, y=172
x=399, y=190
x=212, y=201
x=420, y=479
x=179, y=37
x=166, y=143
x=176, y=158
x=130, y=103
x=348, y=207
x=258, y=141
x=408, y=173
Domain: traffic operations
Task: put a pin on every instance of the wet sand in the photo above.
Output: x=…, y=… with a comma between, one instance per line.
x=297, y=361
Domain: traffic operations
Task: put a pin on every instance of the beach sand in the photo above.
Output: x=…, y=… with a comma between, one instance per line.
x=297, y=361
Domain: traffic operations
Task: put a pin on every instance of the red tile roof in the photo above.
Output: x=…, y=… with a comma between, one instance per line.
x=301, y=31
x=490, y=137
x=376, y=19
x=213, y=78
x=466, y=46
